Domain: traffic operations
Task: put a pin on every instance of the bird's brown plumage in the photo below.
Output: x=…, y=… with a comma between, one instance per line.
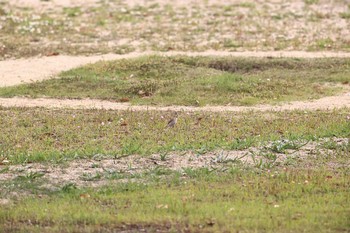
x=173, y=121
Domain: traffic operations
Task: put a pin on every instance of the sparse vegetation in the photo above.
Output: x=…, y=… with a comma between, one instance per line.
x=105, y=27
x=310, y=2
x=53, y=135
x=345, y=15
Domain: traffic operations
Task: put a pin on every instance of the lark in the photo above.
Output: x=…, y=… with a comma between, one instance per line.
x=173, y=121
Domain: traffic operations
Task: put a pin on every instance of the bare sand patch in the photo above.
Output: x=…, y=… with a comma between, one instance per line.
x=326, y=103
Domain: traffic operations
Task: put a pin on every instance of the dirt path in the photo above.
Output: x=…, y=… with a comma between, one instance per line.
x=325, y=103
x=14, y=72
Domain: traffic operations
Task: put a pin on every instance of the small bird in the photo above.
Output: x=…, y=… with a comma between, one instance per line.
x=173, y=121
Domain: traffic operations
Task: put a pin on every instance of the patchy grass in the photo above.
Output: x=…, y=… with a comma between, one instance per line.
x=310, y=2
x=244, y=200
x=323, y=44
x=196, y=80
x=119, y=27
x=54, y=135
x=101, y=170
x=345, y=15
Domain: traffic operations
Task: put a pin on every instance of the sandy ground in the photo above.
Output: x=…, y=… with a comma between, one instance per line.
x=14, y=72
x=38, y=4
x=326, y=103
x=72, y=3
